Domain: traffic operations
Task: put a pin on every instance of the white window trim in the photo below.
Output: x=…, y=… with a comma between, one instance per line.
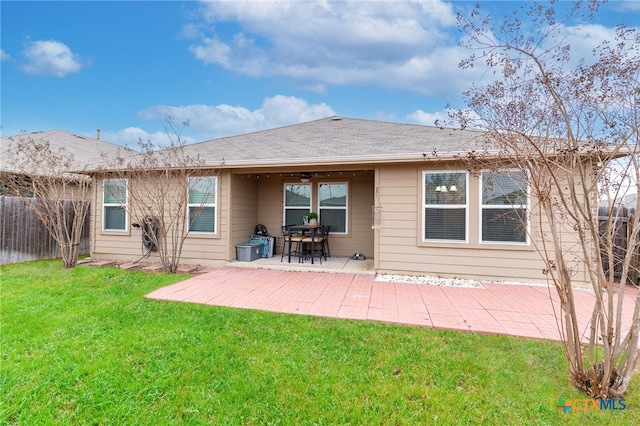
x=284, y=200
x=105, y=205
x=346, y=208
x=203, y=205
x=527, y=208
x=445, y=206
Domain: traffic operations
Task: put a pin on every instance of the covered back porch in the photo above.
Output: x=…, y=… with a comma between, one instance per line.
x=277, y=197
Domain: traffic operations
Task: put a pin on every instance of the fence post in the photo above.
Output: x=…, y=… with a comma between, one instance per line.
x=634, y=273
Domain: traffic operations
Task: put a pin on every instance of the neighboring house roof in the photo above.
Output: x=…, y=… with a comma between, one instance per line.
x=85, y=150
x=336, y=140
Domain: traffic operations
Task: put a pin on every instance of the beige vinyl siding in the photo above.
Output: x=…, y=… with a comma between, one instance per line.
x=397, y=246
x=361, y=236
x=127, y=245
x=203, y=248
x=113, y=245
x=401, y=249
x=270, y=202
x=572, y=251
x=245, y=200
x=270, y=199
x=398, y=233
x=243, y=210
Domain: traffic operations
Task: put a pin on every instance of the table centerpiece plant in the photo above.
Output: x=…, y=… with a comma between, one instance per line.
x=313, y=218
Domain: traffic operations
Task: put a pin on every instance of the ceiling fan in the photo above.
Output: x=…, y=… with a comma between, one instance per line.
x=305, y=177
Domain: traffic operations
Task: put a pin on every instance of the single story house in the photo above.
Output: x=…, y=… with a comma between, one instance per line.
x=397, y=193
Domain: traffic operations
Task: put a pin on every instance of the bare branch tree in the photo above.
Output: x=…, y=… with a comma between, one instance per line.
x=561, y=123
x=40, y=175
x=166, y=191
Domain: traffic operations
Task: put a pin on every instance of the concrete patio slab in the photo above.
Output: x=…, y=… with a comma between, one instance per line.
x=501, y=309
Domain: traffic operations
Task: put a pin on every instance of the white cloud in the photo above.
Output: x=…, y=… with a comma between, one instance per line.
x=429, y=118
x=131, y=136
x=400, y=45
x=50, y=57
x=583, y=39
x=625, y=5
x=212, y=51
x=4, y=56
x=214, y=121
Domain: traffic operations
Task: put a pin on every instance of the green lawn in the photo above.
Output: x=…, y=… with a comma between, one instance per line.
x=83, y=346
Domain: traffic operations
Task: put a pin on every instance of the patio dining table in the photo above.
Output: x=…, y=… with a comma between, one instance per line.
x=313, y=229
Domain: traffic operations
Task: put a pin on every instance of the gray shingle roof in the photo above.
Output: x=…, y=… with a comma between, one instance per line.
x=85, y=150
x=335, y=140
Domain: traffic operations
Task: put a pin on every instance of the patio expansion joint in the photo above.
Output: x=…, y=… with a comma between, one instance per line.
x=348, y=295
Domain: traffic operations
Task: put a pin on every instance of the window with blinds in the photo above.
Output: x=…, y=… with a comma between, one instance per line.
x=297, y=202
x=333, y=206
x=445, y=206
x=202, y=204
x=505, y=206
x=114, y=205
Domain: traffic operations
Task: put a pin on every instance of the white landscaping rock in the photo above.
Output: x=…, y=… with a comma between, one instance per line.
x=428, y=280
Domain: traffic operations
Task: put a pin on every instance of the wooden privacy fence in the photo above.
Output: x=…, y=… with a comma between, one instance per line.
x=624, y=219
x=24, y=237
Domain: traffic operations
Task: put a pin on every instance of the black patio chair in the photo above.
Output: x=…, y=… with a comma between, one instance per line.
x=321, y=239
x=292, y=241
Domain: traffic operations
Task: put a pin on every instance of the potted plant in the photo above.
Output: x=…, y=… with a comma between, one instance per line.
x=313, y=218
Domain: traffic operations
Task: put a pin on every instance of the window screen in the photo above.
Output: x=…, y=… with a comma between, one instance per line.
x=333, y=206
x=114, y=204
x=297, y=203
x=445, y=206
x=202, y=204
x=504, y=207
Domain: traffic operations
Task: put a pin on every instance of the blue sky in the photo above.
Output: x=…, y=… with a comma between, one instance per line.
x=236, y=67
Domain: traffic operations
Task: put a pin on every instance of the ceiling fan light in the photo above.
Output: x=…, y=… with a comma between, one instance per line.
x=305, y=177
